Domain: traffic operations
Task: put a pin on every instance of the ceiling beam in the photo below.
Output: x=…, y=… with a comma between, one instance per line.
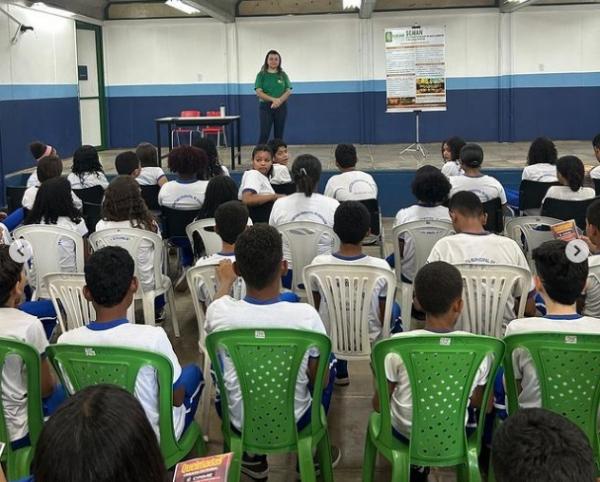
x=216, y=9
x=366, y=8
x=507, y=6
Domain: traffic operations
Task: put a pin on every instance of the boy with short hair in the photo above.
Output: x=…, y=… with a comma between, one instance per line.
x=560, y=282
x=592, y=290
x=351, y=184
x=280, y=151
x=128, y=164
x=110, y=286
x=595, y=173
x=150, y=174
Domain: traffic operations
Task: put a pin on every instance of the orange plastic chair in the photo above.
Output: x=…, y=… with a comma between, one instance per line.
x=215, y=130
x=185, y=130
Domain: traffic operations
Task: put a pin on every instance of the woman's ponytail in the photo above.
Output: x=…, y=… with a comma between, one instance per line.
x=306, y=172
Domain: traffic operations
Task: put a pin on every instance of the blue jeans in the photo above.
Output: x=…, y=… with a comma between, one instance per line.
x=271, y=118
x=44, y=310
x=192, y=380
x=185, y=248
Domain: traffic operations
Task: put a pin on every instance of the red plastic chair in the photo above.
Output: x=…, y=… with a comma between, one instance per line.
x=215, y=130
x=185, y=130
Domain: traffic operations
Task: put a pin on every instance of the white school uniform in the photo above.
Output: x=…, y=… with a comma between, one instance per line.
x=145, y=255
x=5, y=237
x=142, y=337
x=254, y=181
x=401, y=400
x=567, y=194
x=524, y=370
x=87, y=179
x=484, y=248
x=229, y=314
x=31, y=192
x=595, y=173
x=33, y=180
x=452, y=168
x=297, y=207
x=184, y=195
x=149, y=176
x=280, y=175
x=541, y=172
x=351, y=186
x=592, y=291
x=239, y=287
x=26, y=328
x=486, y=187
x=380, y=287
x=410, y=214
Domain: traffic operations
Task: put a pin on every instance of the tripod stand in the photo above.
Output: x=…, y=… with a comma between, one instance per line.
x=416, y=146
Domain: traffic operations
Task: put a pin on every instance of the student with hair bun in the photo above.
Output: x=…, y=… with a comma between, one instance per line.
x=570, y=173
x=38, y=151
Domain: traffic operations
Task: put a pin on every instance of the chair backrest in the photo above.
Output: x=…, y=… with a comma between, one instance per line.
x=190, y=113
x=495, y=216
x=568, y=370
x=66, y=293
x=487, y=291
x=424, y=234
x=92, y=195
x=213, y=113
x=529, y=232
x=261, y=212
x=175, y=221
x=267, y=363
x=35, y=421
x=531, y=193
x=44, y=240
x=374, y=211
x=348, y=292
x=14, y=197
x=150, y=196
x=206, y=230
x=303, y=241
x=82, y=366
x=287, y=188
x=441, y=370
x=92, y=213
x=564, y=210
x=596, y=186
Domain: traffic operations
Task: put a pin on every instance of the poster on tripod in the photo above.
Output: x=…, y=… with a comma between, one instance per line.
x=415, y=69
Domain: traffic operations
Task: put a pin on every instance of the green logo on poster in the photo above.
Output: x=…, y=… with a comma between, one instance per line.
x=388, y=37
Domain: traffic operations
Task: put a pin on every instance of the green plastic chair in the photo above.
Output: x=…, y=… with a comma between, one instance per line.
x=441, y=370
x=18, y=461
x=81, y=366
x=568, y=368
x=267, y=363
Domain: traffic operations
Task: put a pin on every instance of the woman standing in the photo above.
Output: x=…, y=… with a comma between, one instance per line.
x=273, y=89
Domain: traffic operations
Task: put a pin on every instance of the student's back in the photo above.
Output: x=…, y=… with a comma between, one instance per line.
x=571, y=174
x=86, y=170
x=150, y=173
x=38, y=151
x=186, y=192
x=541, y=161
x=350, y=185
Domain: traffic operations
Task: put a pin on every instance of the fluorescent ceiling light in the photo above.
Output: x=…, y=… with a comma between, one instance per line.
x=42, y=7
x=349, y=4
x=182, y=6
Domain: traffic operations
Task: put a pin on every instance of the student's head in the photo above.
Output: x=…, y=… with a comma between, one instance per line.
x=259, y=256
x=345, y=156
x=213, y=166
x=537, y=445
x=351, y=222
x=596, y=146
x=451, y=148
x=53, y=200
x=187, y=161
x=39, y=149
x=99, y=434
x=127, y=163
x=280, y=151
x=471, y=156
x=219, y=190
x=272, y=61
x=262, y=159
x=570, y=172
x=12, y=279
x=430, y=186
x=306, y=172
x=49, y=167
x=557, y=277
x=85, y=159
x=147, y=154
x=109, y=278
x=231, y=219
x=593, y=222
x=542, y=150
x=123, y=202
x=438, y=289
x=465, y=210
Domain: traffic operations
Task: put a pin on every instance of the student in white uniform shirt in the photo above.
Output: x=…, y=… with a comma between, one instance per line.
x=431, y=189
x=571, y=173
x=351, y=184
x=127, y=164
x=472, y=244
x=110, y=287
x=451, y=155
x=486, y=187
x=560, y=282
x=592, y=289
x=186, y=192
x=213, y=166
x=48, y=167
x=259, y=261
x=595, y=173
x=150, y=174
x=5, y=237
x=86, y=170
x=38, y=151
x=280, y=152
x=541, y=161
x=304, y=205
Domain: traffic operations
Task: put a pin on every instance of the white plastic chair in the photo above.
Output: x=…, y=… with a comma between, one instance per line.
x=303, y=242
x=348, y=291
x=44, y=240
x=522, y=231
x=131, y=239
x=487, y=291
x=424, y=234
x=592, y=298
x=211, y=240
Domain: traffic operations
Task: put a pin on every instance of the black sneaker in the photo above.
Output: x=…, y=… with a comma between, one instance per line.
x=255, y=466
x=336, y=456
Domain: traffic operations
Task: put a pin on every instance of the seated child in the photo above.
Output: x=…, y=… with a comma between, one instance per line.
x=219, y=190
x=571, y=173
x=351, y=184
x=595, y=173
x=214, y=166
x=279, y=175
x=39, y=150
x=560, y=282
x=541, y=161
x=128, y=164
x=451, y=155
x=592, y=289
x=150, y=174
x=87, y=170
x=17, y=324
x=186, y=192
x=280, y=151
x=110, y=287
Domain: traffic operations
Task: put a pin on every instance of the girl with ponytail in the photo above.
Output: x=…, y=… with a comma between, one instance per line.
x=570, y=173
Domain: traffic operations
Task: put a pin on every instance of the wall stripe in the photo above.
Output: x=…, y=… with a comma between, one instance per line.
x=37, y=91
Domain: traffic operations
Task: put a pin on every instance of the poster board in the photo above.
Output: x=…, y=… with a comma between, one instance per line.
x=415, y=69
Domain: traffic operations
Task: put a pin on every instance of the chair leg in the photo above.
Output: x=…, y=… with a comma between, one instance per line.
x=401, y=467
x=324, y=452
x=224, y=137
x=305, y=460
x=235, y=469
x=173, y=311
x=370, y=458
x=469, y=472
x=200, y=447
x=148, y=307
x=207, y=395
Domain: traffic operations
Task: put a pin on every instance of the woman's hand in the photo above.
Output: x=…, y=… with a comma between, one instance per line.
x=276, y=103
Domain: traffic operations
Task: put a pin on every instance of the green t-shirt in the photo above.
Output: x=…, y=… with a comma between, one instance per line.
x=274, y=84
